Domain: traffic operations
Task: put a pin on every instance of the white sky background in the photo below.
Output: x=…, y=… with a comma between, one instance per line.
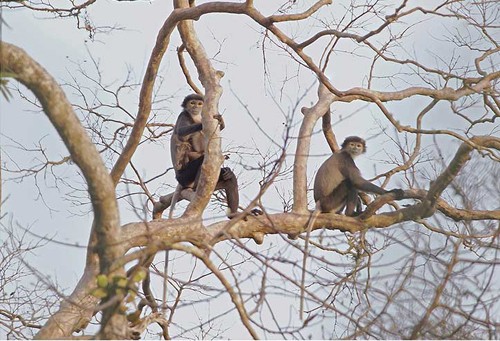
x=60, y=47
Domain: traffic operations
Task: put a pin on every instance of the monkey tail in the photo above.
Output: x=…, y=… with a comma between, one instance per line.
x=310, y=224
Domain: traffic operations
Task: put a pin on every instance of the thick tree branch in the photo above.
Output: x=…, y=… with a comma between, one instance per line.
x=209, y=78
x=431, y=199
x=461, y=157
x=164, y=234
x=105, y=231
x=454, y=213
x=311, y=116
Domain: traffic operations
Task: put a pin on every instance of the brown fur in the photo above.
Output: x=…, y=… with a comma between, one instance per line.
x=338, y=181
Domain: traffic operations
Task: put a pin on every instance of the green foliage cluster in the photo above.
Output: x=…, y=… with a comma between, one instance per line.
x=109, y=286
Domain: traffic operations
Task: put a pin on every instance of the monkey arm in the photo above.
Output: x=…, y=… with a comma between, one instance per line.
x=184, y=130
x=194, y=155
x=398, y=193
x=185, y=125
x=353, y=174
x=364, y=185
x=219, y=118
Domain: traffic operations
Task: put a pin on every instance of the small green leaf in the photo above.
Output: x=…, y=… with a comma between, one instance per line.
x=102, y=281
x=120, y=282
x=121, y=291
x=140, y=275
x=99, y=293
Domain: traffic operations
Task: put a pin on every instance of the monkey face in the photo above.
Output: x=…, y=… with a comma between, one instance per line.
x=193, y=107
x=355, y=148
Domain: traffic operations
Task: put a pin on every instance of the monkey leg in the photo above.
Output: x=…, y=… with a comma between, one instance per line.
x=359, y=205
x=166, y=200
x=336, y=200
x=174, y=200
x=187, y=179
x=162, y=205
x=228, y=182
x=352, y=201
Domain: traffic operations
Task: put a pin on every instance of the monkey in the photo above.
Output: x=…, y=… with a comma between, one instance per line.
x=188, y=150
x=338, y=180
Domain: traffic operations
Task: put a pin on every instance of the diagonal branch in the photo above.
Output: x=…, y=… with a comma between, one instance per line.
x=106, y=227
x=209, y=78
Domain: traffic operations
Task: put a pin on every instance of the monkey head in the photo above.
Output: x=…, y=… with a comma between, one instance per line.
x=354, y=145
x=193, y=104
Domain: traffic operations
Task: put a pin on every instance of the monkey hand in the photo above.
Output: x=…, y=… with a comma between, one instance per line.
x=398, y=193
x=194, y=155
x=219, y=118
x=226, y=173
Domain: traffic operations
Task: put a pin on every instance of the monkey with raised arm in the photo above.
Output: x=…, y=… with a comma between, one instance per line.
x=338, y=180
x=187, y=150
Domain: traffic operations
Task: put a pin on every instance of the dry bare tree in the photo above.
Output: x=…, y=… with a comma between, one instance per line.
x=25, y=301
x=425, y=267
